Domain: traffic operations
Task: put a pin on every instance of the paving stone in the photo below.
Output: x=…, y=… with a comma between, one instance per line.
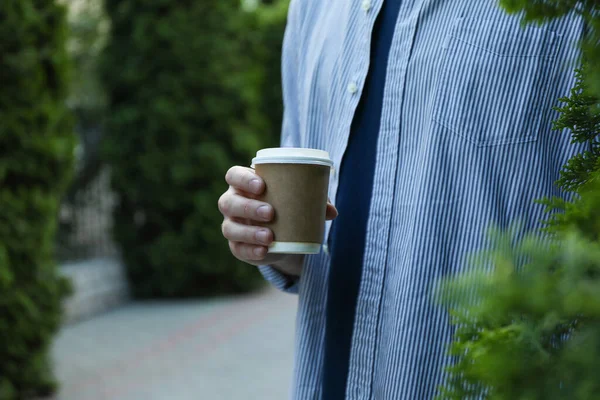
x=219, y=349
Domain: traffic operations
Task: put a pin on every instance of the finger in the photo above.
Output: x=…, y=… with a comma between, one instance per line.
x=247, y=252
x=237, y=232
x=331, y=212
x=245, y=179
x=236, y=206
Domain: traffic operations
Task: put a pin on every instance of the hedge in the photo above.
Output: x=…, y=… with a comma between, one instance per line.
x=37, y=145
x=187, y=99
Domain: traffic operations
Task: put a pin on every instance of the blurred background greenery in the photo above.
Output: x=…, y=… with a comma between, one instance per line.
x=180, y=91
x=186, y=100
x=37, y=142
x=125, y=114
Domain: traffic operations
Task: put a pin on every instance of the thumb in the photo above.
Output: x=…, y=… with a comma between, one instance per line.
x=331, y=212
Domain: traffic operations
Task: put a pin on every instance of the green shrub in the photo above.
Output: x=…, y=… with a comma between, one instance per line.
x=529, y=332
x=186, y=100
x=37, y=142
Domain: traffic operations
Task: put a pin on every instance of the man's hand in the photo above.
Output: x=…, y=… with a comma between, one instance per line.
x=241, y=211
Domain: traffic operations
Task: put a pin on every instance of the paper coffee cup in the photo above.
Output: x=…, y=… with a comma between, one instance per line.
x=297, y=183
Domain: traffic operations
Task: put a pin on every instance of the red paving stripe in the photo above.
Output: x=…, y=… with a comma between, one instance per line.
x=161, y=346
x=219, y=338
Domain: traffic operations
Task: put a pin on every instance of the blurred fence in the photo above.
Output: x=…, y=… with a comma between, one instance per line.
x=85, y=220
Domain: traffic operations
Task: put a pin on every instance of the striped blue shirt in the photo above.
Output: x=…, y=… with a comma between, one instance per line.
x=465, y=143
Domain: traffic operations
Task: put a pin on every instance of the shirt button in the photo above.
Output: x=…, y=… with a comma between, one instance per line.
x=352, y=88
x=366, y=5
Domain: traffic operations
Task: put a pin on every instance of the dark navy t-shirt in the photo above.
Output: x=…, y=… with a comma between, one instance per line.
x=347, y=238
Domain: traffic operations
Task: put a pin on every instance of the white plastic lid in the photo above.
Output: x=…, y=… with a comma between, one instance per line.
x=292, y=155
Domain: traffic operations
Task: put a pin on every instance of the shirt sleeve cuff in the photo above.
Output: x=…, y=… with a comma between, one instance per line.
x=280, y=280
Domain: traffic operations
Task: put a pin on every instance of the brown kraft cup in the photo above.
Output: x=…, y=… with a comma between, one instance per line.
x=297, y=183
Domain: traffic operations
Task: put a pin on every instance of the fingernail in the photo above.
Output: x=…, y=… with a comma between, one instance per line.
x=263, y=236
x=255, y=186
x=259, y=251
x=264, y=212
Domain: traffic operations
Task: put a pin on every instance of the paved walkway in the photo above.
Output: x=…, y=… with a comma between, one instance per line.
x=222, y=349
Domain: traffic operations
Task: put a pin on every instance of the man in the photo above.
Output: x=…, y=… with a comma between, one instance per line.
x=438, y=115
